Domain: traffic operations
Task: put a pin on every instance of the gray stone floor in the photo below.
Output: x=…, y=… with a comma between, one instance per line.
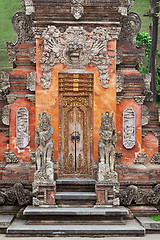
x=147, y=237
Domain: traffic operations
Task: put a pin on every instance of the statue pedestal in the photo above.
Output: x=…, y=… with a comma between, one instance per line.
x=44, y=193
x=106, y=193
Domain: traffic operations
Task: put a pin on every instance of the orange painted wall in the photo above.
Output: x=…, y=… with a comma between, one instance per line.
x=104, y=99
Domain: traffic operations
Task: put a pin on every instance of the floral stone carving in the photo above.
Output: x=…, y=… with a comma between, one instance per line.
x=141, y=158
x=156, y=158
x=129, y=128
x=22, y=125
x=45, y=150
x=31, y=81
x=76, y=49
x=145, y=115
x=106, y=148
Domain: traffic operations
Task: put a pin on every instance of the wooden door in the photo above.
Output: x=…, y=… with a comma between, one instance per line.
x=75, y=128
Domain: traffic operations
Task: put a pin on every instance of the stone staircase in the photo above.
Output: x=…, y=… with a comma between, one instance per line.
x=75, y=214
x=75, y=192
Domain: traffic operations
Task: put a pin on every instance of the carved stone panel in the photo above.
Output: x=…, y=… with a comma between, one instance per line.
x=31, y=81
x=10, y=157
x=77, y=8
x=129, y=128
x=22, y=127
x=76, y=49
x=145, y=115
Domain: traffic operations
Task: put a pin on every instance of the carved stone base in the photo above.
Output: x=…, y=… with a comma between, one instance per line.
x=106, y=176
x=44, y=193
x=107, y=193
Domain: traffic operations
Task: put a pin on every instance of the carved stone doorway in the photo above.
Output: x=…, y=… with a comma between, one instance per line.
x=75, y=125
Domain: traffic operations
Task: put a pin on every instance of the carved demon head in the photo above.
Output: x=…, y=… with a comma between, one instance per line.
x=74, y=52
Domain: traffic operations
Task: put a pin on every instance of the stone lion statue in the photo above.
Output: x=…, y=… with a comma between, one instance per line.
x=45, y=149
x=106, y=146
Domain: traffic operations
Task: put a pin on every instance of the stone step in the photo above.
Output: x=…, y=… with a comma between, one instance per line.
x=75, y=185
x=5, y=221
x=75, y=198
x=47, y=210
x=75, y=195
x=21, y=228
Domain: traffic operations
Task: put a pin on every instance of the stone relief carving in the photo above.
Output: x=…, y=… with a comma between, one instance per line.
x=31, y=81
x=22, y=127
x=145, y=115
x=45, y=150
x=31, y=97
x=118, y=158
x=129, y=128
x=33, y=157
x=76, y=49
x=141, y=158
x=120, y=82
x=22, y=25
x=32, y=54
x=28, y=6
x=77, y=8
x=139, y=196
x=11, y=98
x=17, y=193
x=5, y=115
x=131, y=25
x=156, y=158
x=139, y=99
x=106, y=148
x=119, y=99
x=5, y=84
x=10, y=157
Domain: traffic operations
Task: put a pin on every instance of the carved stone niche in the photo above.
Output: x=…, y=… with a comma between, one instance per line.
x=129, y=128
x=22, y=127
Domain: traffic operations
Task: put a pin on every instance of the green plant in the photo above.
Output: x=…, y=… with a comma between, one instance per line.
x=155, y=217
x=143, y=38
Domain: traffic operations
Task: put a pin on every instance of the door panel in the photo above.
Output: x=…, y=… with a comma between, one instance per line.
x=75, y=131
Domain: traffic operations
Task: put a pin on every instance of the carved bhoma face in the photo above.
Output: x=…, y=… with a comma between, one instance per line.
x=74, y=52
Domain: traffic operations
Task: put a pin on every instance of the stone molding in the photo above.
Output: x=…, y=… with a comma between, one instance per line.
x=76, y=49
x=10, y=157
x=128, y=128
